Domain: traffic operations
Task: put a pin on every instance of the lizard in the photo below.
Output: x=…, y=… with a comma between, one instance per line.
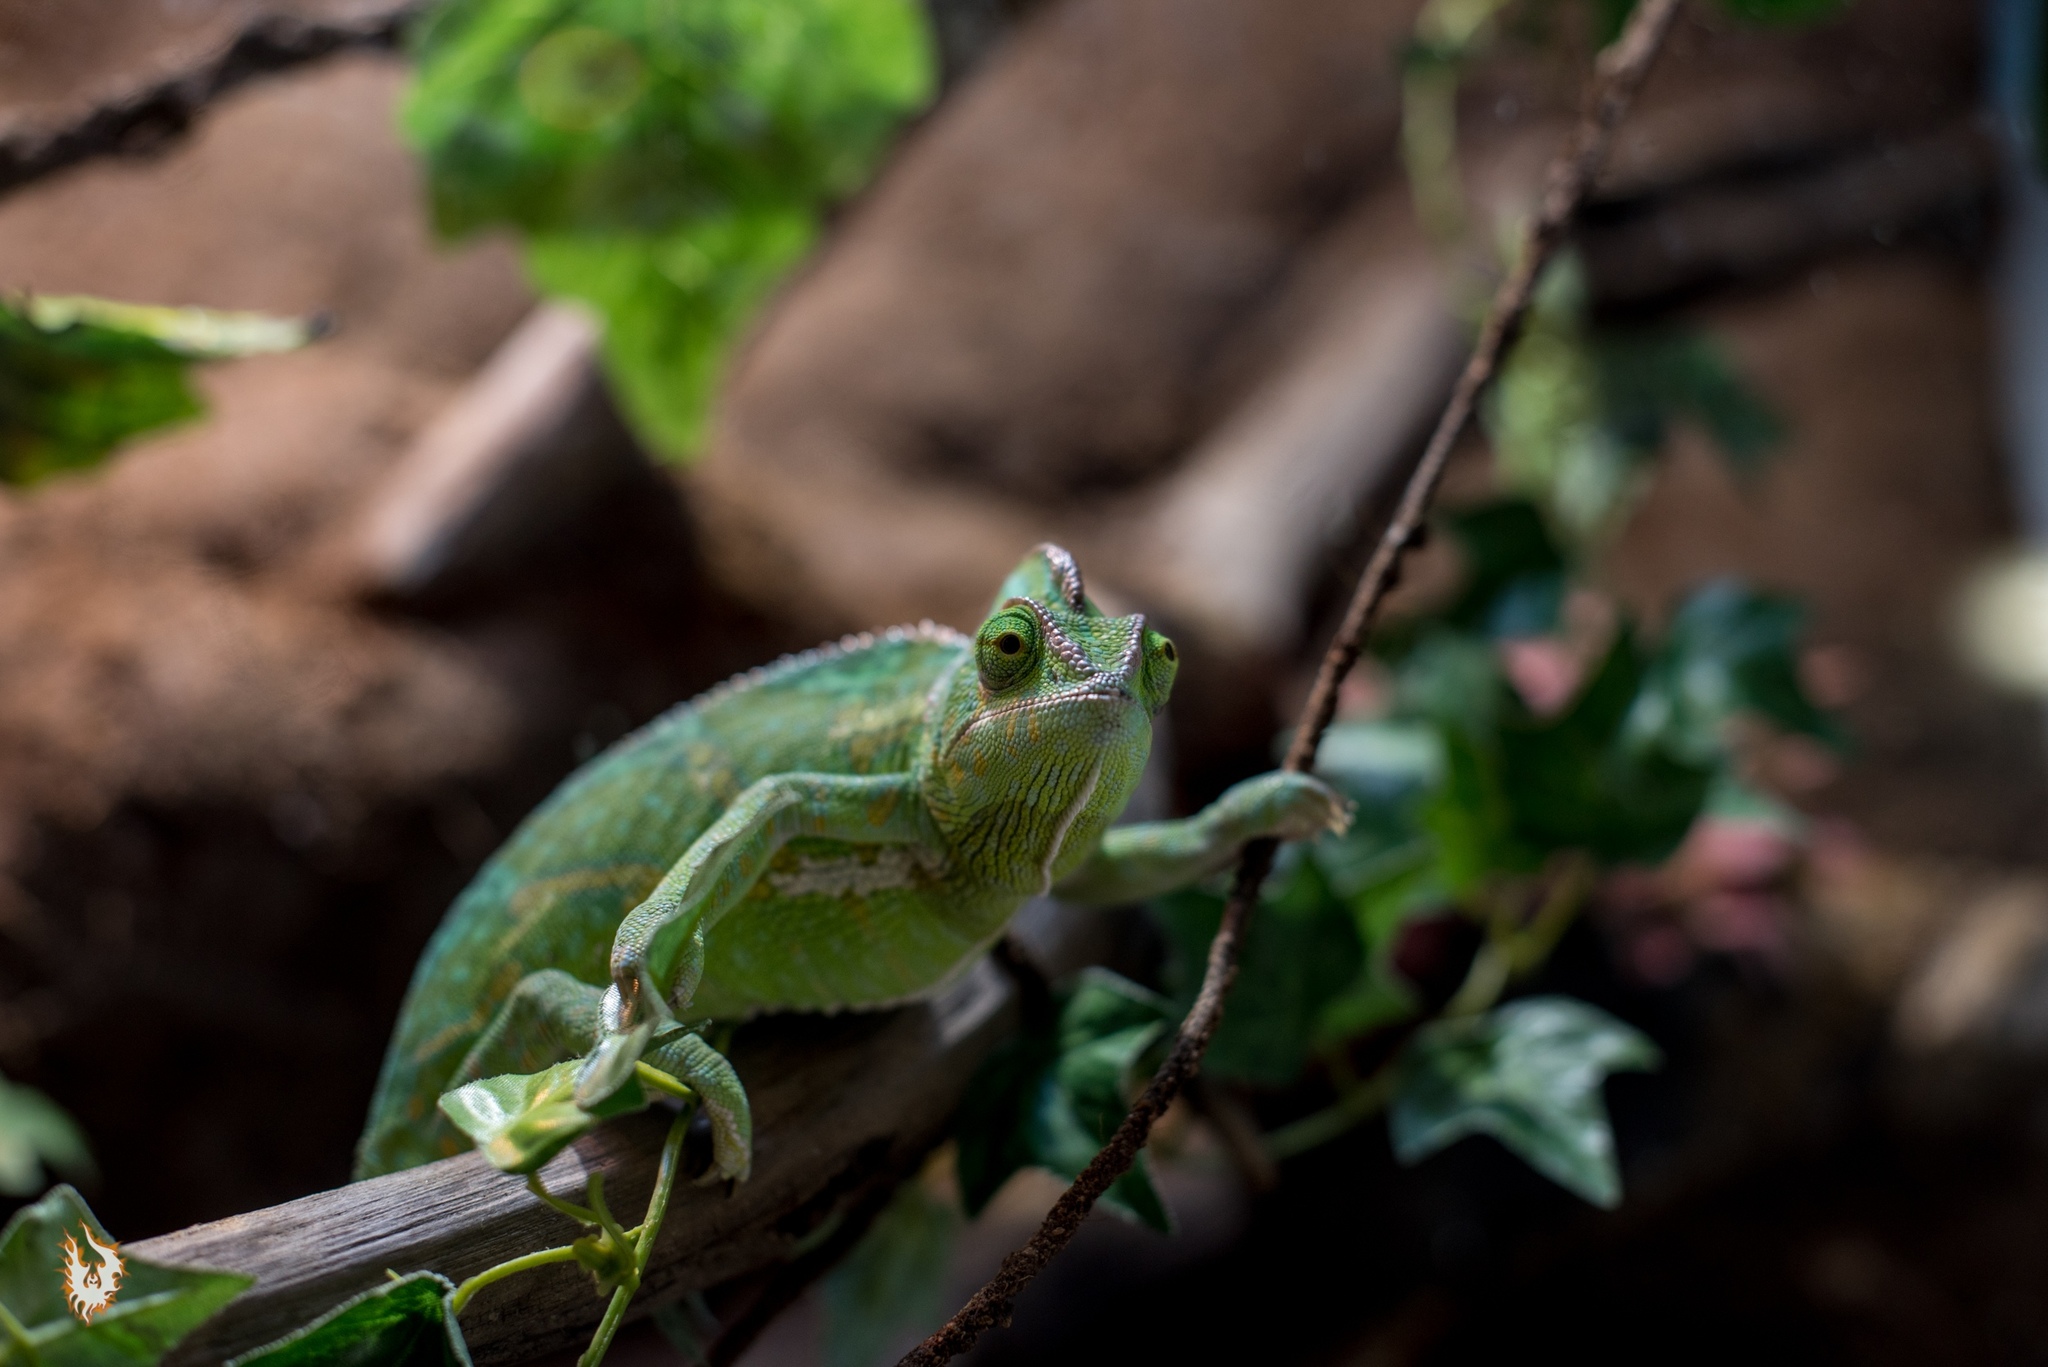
x=848, y=828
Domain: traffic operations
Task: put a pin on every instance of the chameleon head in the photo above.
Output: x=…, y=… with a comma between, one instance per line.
x=1045, y=729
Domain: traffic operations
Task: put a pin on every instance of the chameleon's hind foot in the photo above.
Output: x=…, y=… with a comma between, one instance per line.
x=686, y=1055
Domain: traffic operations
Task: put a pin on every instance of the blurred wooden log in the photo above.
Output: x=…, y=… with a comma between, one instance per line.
x=203, y=51
x=1734, y=228
x=1238, y=534
x=843, y=1108
x=528, y=446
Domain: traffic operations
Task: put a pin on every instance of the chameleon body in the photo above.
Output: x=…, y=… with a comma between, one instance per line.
x=848, y=828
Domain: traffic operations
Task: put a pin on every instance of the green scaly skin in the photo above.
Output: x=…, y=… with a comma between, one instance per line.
x=848, y=828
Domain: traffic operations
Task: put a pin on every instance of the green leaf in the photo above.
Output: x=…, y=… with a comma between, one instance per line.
x=670, y=161
x=1514, y=571
x=1471, y=816
x=1451, y=678
x=1387, y=769
x=1300, y=952
x=78, y=376
x=34, y=1131
x=407, y=1322
x=1784, y=11
x=992, y=1125
x=1054, y=1096
x=1579, y=413
x=1546, y=413
x=1610, y=15
x=1575, y=782
x=521, y=1120
x=153, y=1308
x=1730, y=650
x=1107, y=1026
x=893, y=1283
x=1652, y=377
x=1529, y=1074
x=672, y=305
x=82, y=325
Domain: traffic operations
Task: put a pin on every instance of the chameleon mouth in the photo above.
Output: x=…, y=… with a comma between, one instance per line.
x=1104, y=693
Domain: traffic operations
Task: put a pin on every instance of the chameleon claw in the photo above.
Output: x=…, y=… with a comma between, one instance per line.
x=611, y=1064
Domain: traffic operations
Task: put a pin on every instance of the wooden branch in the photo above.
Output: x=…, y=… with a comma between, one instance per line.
x=844, y=1108
x=141, y=118
x=1617, y=76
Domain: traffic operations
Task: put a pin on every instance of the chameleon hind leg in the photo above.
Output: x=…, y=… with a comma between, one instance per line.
x=551, y=1017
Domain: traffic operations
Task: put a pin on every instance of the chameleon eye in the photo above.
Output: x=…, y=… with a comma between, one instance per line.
x=1008, y=646
x=1161, y=663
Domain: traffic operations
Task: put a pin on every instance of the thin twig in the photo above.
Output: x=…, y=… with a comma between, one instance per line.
x=142, y=118
x=1617, y=76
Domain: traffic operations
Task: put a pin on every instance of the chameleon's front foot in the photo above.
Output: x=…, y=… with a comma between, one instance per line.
x=682, y=1053
x=1282, y=806
x=687, y=1055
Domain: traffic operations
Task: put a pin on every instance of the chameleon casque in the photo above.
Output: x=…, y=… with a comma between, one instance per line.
x=846, y=828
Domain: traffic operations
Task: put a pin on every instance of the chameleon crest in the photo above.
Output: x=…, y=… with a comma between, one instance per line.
x=847, y=828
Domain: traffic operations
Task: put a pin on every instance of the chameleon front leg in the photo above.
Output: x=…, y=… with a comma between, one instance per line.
x=1148, y=858
x=658, y=951
x=551, y=1017
x=690, y=1058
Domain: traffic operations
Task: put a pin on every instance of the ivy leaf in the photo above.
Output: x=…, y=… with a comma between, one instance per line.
x=153, y=1308
x=618, y=115
x=1783, y=11
x=1107, y=1026
x=1451, y=679
x=1053, y=1097
x=78, y=376
x=34, y=1132
x=407, y=1322
x=671, y=302
x=1580, y=411
x=668, y=161
x=893, y=1283
x=1514, y=571
x=1546, y=412
x=1388, y=770
x=992, y=1126
x=1574, y=782
x=521, y=1120
x=1300, y=951
x=1730, y=650
x=1529, y=1074
x=1610, y=15
x=1650, y=378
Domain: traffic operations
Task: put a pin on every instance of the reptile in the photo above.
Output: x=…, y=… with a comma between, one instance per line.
x=848, y=828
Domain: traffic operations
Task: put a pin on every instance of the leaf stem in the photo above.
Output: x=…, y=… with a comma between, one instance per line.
x=643, y=1247
x=18, y=1334
x=523, y=1263
x=664, y=1082
x=613, y=1232
x=1484, y=981
x=1618, y=74
x=1365, y=1099
x=580, y=1214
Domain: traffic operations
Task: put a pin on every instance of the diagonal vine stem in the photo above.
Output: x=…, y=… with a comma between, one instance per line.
x=1617, y=75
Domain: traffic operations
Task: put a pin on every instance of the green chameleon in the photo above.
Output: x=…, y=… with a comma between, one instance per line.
x=847, y=828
